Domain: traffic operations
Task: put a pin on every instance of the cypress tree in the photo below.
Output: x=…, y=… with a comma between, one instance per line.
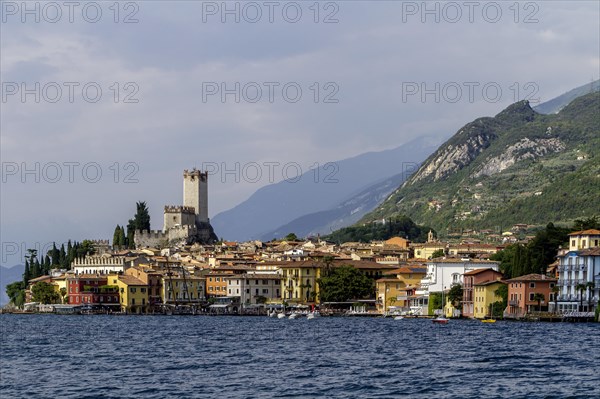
x=55, y=255
x=26, y=273
x=117, y=237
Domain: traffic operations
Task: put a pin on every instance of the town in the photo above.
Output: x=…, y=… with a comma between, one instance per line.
x=183, y=269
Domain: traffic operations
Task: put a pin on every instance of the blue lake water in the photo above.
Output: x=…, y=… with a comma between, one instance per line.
x=49, y=356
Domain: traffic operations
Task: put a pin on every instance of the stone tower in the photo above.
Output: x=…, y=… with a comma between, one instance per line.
x=195, y=193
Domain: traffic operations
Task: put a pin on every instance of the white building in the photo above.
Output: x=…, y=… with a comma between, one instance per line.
x=252, y=286
x=103, y=264
x=580, y=265
x=443, y=273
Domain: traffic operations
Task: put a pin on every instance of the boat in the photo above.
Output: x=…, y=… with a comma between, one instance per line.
x=281, y=315
x=398, y=317
x=294, y=315
x=490, y=318
x=441, y=319
x=312, y=315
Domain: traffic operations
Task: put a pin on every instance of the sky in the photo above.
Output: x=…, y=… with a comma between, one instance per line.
x=106, y=105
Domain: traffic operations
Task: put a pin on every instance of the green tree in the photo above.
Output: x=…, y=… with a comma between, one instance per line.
x=455, y=295
x=119, y=237
x=26, y=273
x=291, y=237
x=16, y=293
x=435, y=302
x=539, y=297
x=345, y=283
x=44, y=293
x=587, y=224
x=55, y=255
x=63, y=293
x=438, y=253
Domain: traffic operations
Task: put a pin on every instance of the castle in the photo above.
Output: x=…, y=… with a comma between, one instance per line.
x=185, y=224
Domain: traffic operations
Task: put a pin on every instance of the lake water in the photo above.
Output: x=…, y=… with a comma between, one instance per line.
x=49, y=356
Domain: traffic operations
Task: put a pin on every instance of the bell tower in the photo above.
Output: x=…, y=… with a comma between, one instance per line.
x=195, y=193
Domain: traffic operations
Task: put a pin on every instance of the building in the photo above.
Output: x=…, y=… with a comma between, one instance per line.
x=181, y=288
x=397, y=290
x=254, y=287
x=522, y=294
x=484, y=296
x=153, y=281
x=579, y=267
x=470, y=280
x=103, y=264
x=299, y=281
x=93, y=290
x=133, y=293
x=442, y=274
x=185, y=224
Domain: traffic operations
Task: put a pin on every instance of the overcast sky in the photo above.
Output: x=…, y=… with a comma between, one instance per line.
x=361, y=68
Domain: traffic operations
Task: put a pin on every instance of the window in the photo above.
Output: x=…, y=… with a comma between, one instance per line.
x=265, y=291
x=307, y=272
x=143, y=290
x=531, y=285
x=230, y=290
x=133, y=301
x=247, y=290
x=257, y=291
x=265, y=282
x=237, y=291
x=256, y=281
x=218, y=279
x=531, y=294
x=583, y=242
x=210, y=279
x=572, y=243
x=551, y=285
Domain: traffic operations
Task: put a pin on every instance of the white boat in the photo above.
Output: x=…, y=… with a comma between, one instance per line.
x=294, y=315
x=398, y=317
x=281, y=315
x=312, y=315
x=441, y=319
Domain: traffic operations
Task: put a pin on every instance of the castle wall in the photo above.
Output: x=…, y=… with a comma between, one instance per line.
x=178, y=216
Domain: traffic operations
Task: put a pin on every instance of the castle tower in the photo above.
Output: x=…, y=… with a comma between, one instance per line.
x=195, y=193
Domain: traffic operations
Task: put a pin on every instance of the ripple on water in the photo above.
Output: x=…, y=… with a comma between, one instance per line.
x=246, y=357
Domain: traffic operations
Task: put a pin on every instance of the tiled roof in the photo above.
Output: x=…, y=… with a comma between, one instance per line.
x=591, y=232
x=130, y=280
x=477, y=271
x=590, y=252
x=533, y=277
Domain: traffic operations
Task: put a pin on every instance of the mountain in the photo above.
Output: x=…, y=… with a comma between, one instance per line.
x=9, y=275
x=517, y=167
x=558, y=103
x=344, y=214
x=325, y=189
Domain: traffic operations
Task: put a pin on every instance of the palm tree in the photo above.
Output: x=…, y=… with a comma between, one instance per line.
x=581, y=288
x=555, y=291
x=539, y=297
x=590, y=287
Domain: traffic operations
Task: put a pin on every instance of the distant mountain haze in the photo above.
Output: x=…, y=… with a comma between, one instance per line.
x=276, y=205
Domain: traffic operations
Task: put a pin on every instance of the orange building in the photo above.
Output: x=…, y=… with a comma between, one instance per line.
x=522, y=294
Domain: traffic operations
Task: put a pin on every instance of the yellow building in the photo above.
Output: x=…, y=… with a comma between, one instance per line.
x=584, y=239
x=299, y=281
x=484, y=296
x=183, y=289
x=425, y=251
x=133, y=294
x=60, y=283
x=396, y=289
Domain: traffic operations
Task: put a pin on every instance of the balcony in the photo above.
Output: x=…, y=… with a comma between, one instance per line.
x=513, y=303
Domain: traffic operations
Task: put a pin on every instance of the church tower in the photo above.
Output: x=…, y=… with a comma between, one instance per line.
x=195, y=193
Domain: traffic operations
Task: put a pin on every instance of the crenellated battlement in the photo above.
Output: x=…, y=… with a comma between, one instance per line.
x=180, y=209
x=203, y=176
x=100, y=242
x=149, y=234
